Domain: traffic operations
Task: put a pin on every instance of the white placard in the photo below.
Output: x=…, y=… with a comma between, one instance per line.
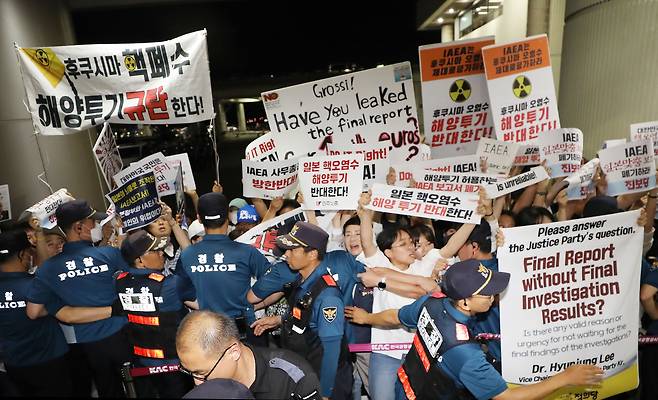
x=45, y=209
x=497, y=155
x=535, y=175
x=165, y=174
x=107, y=155
x=562, y=149
x=5, y=203
x=445, y=182
x=262, y=148
x=331, y=182
x=646, y=131
x=527, y=155
x=629, y=168
x=581, y=183
x=459, y=165
x=268, y=180
x=188, y=176
x=375, y=161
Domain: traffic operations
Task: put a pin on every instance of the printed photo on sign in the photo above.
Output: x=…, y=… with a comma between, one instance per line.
x=332, y=182
x=107, y=155
x=5, y=203
x=136, y=201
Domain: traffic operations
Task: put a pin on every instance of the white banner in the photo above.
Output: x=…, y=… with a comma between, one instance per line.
x=455, y=99
x=527, y=155
x=646, y=131
x=499, y=156
x=72, y=88
x=629, y=168
x=107, y=155
x=456, y=207
x=5, y=203
x=581, y=183
x=575, y=286
x=45, y=209
x=377, y=104
x=188, y=176
x=459, y=165
x=562, y=149
x=442, y=182
x=521, y=90
x=165, y=174
x=331, y=182
x=263, y=235
x=375, y=161
x=270, y=179
x=535, y=175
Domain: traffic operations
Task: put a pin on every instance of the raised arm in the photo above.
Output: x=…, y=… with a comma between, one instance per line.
x=365, y=215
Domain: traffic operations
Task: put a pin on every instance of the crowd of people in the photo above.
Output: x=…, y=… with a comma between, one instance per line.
x=83, y=299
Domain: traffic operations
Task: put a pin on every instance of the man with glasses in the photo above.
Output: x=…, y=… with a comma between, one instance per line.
x=209, y=347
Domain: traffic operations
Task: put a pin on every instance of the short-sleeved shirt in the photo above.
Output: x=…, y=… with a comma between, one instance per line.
x=81, y=276
x=282, y=374
x=465, y=364
x=489, y=322
x=220, y=271
x=26, y=342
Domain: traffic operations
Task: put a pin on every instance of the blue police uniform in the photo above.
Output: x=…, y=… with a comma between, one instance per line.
x=221, y=270
x=443, y=339
x=489, y=322
x=81, y=275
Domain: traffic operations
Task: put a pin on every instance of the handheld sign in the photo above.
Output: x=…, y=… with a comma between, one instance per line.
x=136, y=201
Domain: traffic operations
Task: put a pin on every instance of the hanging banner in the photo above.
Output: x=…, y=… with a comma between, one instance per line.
x=459, y=165
x=262, y=148
x=575, y=286
x=5, y=203
x=375, y=161
x=45, y=209
x=521, y=90
x=444, y=182
x=455, y=207
x=165, y=174
x=455, y=98
x=646, y=131
x=268, y=180
x=263, y=235
x=522, y=181
x=107, y=155
x=527, y=155
x=629, y=168
x=581, y=184
x=188, y=176
x=332, y=182
x=378, y=104
x=498, y=156
x=136, y=201
x=562, y=149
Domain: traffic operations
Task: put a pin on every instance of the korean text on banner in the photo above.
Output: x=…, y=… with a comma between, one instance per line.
x=521, y=90
x=165, y=174
x=574, y=285
x=459, y=165
x=527, y=155
x=372, y=105
x=498, y=156
x=270, y=179
x=136, y=201
x=5, y=203
x=629, y=168
x=646, y=131
x=375, y=161
x=107, y=155
x=332, y=182
x=455, y=97
x=45, y=209
x=454, y=206
x=263, y=235
x=445, y=182
x=562, y=149
x=501, y=188
x=188, y=176
x=72, y=88
x=581, y=183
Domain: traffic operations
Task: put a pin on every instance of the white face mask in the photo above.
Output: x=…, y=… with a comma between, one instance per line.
x=96, y=233
x=233, y=217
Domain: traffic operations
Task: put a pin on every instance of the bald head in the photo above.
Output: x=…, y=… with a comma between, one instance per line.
x=206, y=330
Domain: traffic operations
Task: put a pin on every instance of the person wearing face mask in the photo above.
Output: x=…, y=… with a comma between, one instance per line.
x=164, y=227
x=234, y=207
x=82, y=275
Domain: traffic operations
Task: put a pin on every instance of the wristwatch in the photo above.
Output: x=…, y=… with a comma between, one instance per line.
x=382, y=284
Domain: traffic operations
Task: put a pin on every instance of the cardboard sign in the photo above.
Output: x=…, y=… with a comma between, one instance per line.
x=522, y=181
x=268, y=180
x=45, y=209
x=332, y=182
x=263, y=235
x=165, y=174
x=575, y=286
x=562, y=149
x=498, y=156
x=629, y=168
x=455, y=99
x=72, y=88
x=459, y=165
x=456, y=207
x=521, y=90
x=378, y=104
x=443, y=182
x=375, y=161
x=646, y=131
x=5, y=203
x=527, y=155
x=581, y=183
x=188, y=176
x=136, y=201
x=107, y=155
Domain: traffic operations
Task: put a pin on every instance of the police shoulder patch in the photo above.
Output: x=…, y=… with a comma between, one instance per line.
x=294, y=372
x=329, y=313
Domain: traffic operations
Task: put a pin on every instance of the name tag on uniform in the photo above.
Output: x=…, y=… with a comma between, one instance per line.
x=140, y=302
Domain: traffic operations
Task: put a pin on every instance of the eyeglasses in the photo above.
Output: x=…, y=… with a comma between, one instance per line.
x=199, y=377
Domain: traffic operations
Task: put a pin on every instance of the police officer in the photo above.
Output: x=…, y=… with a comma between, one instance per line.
x=209, y=347
x=459, y=369
x=220, y=269
x=314, y=326
x=154, y=310
x=81, y=275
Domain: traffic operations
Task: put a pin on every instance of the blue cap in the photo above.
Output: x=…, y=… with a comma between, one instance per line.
x=219, y=389
x=303, y=234
x=468, y=278
x=249, y=214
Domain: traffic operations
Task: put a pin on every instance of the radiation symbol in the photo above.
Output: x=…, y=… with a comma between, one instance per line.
x=130, y=63
x=460, y=90
x=42, y=57
x=521, y=86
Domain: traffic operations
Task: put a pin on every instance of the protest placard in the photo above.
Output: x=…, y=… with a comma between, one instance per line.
x=629, y=168
x=180, y=186
x=165, y=174
x=446, y=182
x=446, y=206
x=521, y=90
x=188, y=176
x=527, y=155
x=575, y=286
x=72, y=88
x=459, y=165
x=5, y=203
x=263, y=235
x=375, y=161
x=581, y=183
x=107, y=155
x=262, y=148
x=646, y=131
x=501, y=188
x=45, y=209
x=614, y=142
x=331, y=182
x=378, y=104
x=562, y=149
x=455, y=98
x=136, y=201
x=498, y=156
x=270, y=179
